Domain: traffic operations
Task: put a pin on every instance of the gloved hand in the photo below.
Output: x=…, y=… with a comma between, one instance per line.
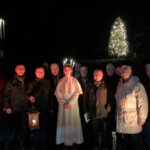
x=87, y=117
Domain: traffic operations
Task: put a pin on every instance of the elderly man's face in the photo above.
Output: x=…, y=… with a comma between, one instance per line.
x=54, y=69
x=125, y=74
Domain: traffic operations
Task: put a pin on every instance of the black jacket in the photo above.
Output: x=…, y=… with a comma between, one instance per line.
x=16, y=93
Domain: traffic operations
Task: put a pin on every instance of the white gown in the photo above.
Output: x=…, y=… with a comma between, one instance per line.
x=69, y=130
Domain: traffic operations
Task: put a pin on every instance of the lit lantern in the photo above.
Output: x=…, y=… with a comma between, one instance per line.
x=33, y=120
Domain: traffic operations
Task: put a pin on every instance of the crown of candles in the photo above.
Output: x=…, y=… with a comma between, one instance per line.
x=68, y=62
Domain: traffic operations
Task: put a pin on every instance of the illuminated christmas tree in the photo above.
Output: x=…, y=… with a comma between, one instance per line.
x=118, y=44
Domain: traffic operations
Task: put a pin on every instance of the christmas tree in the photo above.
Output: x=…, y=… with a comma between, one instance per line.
x=118, y=44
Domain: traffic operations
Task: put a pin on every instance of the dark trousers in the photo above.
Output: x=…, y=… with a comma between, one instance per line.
x=1, y=127
x=99, y=132
x=39, y=136
x=111, y=128
x=52, y=124
x=16, y=130
x=146, y=133
x=130, y=141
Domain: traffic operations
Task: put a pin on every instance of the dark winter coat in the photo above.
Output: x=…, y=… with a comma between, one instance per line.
x=16, y=94
x=42, y=93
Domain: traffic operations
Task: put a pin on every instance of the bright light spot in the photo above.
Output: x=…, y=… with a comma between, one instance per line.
x=34, y=121
x=2, y=21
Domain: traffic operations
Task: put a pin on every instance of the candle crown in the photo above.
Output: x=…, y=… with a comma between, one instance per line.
x=68, y=62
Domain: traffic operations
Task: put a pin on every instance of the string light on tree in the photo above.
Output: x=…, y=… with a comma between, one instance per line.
x=118, y=44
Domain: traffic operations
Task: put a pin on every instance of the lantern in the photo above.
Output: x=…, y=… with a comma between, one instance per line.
x=33, y=118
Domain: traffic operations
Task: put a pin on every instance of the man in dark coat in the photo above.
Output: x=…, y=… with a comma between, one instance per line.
x=111, y=79
x=15, y=105
x=40, y=96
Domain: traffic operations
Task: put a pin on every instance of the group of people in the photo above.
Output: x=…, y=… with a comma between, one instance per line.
x=107, y=111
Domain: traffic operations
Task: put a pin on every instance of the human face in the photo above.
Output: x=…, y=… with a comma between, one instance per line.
x=98, y=75
x=83, y=71
x=39, y=73
x=126, y=74
x=67, y=71
x=20, y=70
x=110, y=70
x=77, y=67
x=54, y=69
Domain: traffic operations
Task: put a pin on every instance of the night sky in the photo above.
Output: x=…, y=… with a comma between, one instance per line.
x=74, y=29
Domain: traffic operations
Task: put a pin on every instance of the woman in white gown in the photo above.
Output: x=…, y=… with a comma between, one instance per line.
x=69, y=130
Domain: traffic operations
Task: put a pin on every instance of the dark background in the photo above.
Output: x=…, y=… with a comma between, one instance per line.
x=50, y=30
